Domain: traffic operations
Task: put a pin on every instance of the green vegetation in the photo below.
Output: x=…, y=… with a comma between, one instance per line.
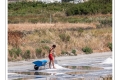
x=27, y=54
x=74, y=52
x=110, y=46
x=46, y=48
x=38, y=52
x=35, y=12
x=33, y=48
x=15, y=52
x=73, y=26
x=64, y=37
x=91, y=7
x=87, y=50
x=63, y=52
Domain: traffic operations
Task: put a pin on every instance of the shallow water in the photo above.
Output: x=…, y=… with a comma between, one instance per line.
x=88, y=68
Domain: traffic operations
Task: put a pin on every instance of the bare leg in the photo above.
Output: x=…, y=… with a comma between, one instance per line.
x=50, y=64
x=53, y=64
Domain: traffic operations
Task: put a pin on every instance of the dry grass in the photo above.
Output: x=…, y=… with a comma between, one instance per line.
x=96, y=39
x=31, y=27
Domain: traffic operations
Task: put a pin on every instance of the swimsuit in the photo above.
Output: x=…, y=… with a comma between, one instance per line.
x=51, y=56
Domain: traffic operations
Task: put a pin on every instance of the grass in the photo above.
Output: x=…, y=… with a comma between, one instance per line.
x=43, y=37
x=94, y=31
x=87, y=50
x=38, y=12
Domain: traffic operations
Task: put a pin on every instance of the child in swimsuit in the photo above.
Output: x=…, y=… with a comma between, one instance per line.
x=51, y=56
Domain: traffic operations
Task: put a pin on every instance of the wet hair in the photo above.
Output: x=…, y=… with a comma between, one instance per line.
x=54, y=46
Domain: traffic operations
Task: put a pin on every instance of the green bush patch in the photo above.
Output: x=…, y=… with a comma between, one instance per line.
x=87, y=50
x=110, y=46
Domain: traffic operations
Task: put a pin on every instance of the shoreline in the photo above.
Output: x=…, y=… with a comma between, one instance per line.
x=12, y=63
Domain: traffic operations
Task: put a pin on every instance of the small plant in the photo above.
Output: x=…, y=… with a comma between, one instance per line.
x=43, y=55
x=18, y=51
x=110, y=46
x=64, y=37
x=63, y=52
x=38, y=52
x=15, y=52
x=33, y=21
x=10, y=53
x=46, y=48
x=80, y=30
x=74, y=52
x=45, y=41
x=27, y=54
x=87, y=50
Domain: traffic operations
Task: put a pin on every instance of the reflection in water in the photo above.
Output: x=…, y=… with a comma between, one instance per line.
x=77, y=73
x=33, y=73
x=83, y=67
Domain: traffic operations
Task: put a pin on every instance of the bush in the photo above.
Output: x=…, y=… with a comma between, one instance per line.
x=63, y=52
x=110, y=46
x=34, y=21
x=46, y=48
x=27, y=54
x=90, y=7
x=64, y=37
x=18, y=51
x=80, y=30
x=38, y=52
x=106, y=22
x=87, y=50
x=74, y=52
x=15, y=52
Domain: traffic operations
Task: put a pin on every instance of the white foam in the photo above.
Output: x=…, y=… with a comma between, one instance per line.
x=107, y=61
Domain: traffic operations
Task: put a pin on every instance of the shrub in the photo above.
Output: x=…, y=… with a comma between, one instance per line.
x=33, y=21
x=10, y=53
x=106, y=22
x=87, y=50
x=74, y=52
x=38, y=52
x=18, y=51
x=15, y=52
x=46, y=48
x=27, y=54
x=80, y=30
x=90, y=7
x=64, y=37
x=110, y=46
x=63, y=52
x=45, y=41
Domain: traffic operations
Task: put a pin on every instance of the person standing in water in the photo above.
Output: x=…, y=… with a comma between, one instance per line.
x=52, y=56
